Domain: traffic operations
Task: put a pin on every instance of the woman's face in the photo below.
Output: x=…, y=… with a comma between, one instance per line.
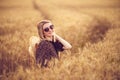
x=48, y=30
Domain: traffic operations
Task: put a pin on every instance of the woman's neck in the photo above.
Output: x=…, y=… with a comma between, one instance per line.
x=49, y=38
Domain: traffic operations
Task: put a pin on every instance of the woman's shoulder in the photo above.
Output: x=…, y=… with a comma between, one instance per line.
x=44, y=42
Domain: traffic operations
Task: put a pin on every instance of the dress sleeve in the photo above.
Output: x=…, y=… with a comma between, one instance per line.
x=59, y=46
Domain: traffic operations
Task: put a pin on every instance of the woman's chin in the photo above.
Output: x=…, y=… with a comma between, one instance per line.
x=50, y=35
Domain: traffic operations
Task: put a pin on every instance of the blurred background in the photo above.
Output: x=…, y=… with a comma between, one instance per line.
x=91, y=26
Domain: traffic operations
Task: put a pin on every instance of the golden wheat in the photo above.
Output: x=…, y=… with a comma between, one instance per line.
x=91, y=27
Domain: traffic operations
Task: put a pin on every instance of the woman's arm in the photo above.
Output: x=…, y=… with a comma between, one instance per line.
x=64, y=42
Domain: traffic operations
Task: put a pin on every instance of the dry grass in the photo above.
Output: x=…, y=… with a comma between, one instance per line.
x=91, y=27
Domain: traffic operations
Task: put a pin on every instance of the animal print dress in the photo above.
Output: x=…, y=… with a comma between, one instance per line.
x=47, y=51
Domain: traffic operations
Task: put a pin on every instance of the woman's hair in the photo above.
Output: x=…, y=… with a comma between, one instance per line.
x=40, y=28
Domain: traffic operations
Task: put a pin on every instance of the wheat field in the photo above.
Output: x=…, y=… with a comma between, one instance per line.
x=92, y=28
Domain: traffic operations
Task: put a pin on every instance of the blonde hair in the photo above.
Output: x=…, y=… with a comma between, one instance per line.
x=40, y=28
x=33, y=44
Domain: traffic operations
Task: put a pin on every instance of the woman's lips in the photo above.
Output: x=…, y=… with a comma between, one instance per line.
x=50, y=33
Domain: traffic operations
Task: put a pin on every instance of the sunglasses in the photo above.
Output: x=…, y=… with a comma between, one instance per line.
x=48, y=28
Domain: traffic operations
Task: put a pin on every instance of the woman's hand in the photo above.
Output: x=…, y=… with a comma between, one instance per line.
x=54, y=36
x=64, y=42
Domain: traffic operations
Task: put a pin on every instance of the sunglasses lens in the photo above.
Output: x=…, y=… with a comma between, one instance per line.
x=46, y=29
x=51, y=27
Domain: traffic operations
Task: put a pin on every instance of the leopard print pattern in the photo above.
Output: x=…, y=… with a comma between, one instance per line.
x=45, y=51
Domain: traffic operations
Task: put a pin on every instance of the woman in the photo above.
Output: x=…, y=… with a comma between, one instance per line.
x=50, y=44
